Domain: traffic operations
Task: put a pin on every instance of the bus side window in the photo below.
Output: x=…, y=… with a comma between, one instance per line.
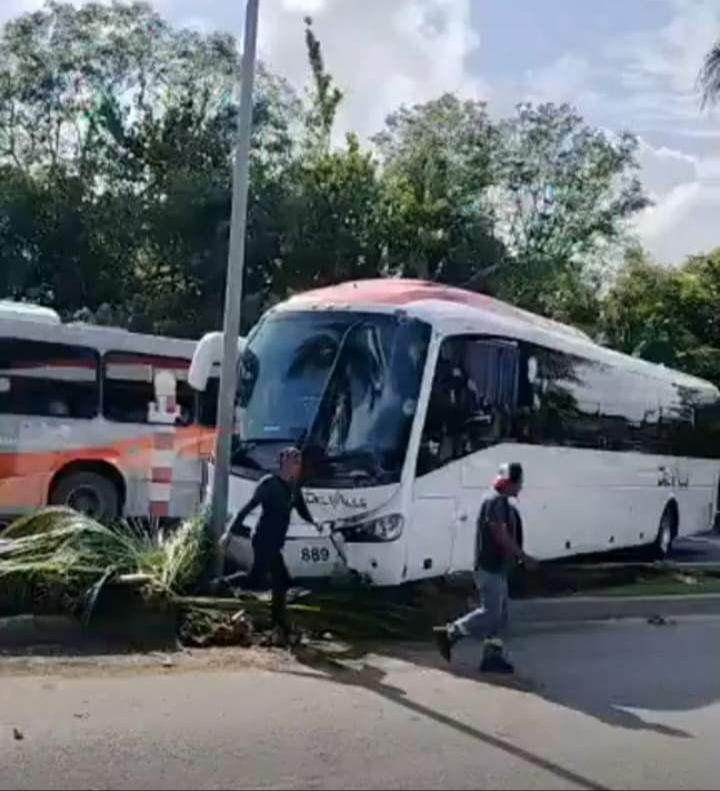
x=48, y=379
x=129, y=387
x=472, y=400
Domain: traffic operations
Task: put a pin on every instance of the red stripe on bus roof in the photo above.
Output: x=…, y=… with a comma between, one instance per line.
x=400, y=292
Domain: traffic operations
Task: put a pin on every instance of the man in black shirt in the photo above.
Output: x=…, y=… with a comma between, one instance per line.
x=277, y=495
x=496, y=549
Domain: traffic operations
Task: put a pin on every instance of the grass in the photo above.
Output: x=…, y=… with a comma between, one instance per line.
x=690, y=583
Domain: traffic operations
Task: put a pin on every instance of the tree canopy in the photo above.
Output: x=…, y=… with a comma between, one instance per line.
x=116, y=144
x=668, y=316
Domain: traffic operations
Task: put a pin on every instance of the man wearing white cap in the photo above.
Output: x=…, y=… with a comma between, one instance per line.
x=497, y=548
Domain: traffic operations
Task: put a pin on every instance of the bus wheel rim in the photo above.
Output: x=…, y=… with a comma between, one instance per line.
x=85, y=500
x=665, y=534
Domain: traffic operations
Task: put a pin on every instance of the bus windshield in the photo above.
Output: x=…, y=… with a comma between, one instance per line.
x=342, y=386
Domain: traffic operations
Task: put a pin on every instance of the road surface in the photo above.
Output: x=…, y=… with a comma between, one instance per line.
x=624, y=705
x=697, y=549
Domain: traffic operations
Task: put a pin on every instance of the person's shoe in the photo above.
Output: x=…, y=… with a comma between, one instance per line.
x=280, y=638
x=497, y=664
x=445, y=642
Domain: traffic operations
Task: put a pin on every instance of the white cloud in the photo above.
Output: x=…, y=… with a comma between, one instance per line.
x=686, y=222
x=685, y=217
x=664, y=168
x=304, y=6
x=569, y=78
x=667, y=60
x=381, y=53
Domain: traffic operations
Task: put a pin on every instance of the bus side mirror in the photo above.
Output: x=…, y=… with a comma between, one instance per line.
x=208, y=353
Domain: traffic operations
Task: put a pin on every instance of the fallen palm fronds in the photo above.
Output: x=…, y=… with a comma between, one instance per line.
x=59, y=560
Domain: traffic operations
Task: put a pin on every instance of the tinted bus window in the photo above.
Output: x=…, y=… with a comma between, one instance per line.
x=582, y=403
x=472, y=401
x=48, y=379
x=129, y=386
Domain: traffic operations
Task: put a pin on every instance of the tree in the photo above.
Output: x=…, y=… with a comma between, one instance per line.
x=710, y=77
x=562, y=195
x=436, y=161
x=117, y=130
x=116, y=142
x=325, y=97
x=331, y=228
x=666, y=315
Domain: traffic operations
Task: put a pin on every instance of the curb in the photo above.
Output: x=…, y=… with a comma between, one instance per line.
x=146, y=632
x=608, y=608
x=153, y=631
x=28, y=630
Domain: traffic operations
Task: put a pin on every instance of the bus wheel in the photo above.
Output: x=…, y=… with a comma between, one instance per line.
x=89, y=493
x=667, y=532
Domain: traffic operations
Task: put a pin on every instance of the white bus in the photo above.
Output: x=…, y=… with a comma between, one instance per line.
x=406, y=396
x=77, y=424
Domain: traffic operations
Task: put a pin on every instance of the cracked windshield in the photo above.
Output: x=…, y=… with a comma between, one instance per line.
x=342, y=386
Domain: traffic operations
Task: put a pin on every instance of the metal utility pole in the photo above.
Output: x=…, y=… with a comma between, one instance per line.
x=234, y=286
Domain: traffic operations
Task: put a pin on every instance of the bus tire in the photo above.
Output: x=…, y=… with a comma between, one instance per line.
x=667, y=531
x=89, y=493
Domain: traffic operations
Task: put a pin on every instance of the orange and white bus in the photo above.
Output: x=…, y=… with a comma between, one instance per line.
x=82, y=422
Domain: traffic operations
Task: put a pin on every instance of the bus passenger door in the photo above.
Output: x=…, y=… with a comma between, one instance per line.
x=433, y=523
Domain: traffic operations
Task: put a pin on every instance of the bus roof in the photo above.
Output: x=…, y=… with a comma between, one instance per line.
x=444, y=305
x=22, y=311
x=35, y=323
x=403, y=293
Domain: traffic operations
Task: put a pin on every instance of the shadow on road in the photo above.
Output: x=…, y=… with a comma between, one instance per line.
x=616, y=673
x=613, y=671
x=610, y=671
x=372, y=679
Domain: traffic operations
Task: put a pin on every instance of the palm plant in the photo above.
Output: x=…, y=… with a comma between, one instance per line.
x=710, y=77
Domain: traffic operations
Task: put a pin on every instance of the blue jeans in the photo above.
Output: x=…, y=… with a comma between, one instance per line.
x=490, y=620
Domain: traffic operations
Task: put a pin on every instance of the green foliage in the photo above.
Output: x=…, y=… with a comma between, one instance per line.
x=436, y=168
x=563, y=192
x=710, y=77
x=668, y=316
x=325, y=96
x=73, y=556
x=116, y=147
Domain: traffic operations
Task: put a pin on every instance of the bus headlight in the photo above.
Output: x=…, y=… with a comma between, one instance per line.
x=385, y=529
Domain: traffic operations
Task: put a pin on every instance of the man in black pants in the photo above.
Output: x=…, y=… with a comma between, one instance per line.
x=277, y=495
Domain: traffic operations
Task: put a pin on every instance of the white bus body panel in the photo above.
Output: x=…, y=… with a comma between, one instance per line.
x=575, y=500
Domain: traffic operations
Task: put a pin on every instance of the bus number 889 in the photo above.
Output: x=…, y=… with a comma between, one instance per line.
x=315, y=555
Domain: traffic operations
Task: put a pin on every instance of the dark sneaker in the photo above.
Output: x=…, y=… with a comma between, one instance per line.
x=497, y=664
x=444, y=642
x=280, y=638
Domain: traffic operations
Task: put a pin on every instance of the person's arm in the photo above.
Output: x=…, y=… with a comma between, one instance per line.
x=302, y=508
x=503, y=535
x=255, y=502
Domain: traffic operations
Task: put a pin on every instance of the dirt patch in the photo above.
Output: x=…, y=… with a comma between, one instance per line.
x=46, y=662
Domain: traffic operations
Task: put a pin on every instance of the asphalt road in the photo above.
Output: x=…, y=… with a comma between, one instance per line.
x=623, y=705
x=697, y=549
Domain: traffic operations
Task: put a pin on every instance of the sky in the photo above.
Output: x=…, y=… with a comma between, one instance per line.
x=624, y=64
